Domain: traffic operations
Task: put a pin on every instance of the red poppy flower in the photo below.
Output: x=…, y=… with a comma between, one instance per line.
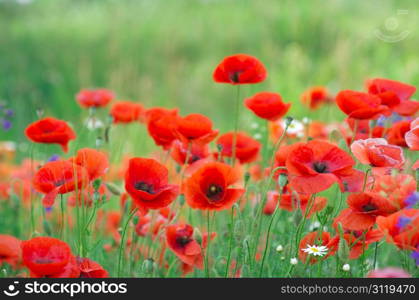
x=317, y=130
x=126, y=112
x=316, y=165
x=401, y=228
x=179, y=152
x=45, y=256
x=161, y=125
x=363, y=130
x=359, y=105
x=195, y=128
x=95, y=162
x=293, y=201
x=10, y=251
x=146, y=225
x=209, y=187
x=146, y=180
x=91, y=269
x=363, y=210
x=395, y=188
x=316, y=96
x=407, y=108
x=58, y=177
x=267, y=105
x=240, y=69
x=377, y=153
x=50, y=131
x=313, y=238
x=389, y=273
x=412, y=136
x=396, y=133
x=179, y=238
x=94, y=98
x=247, y=148
x=391, y=92
x=358, y=241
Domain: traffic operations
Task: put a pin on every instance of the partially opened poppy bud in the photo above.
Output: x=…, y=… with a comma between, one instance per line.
x=240, y=69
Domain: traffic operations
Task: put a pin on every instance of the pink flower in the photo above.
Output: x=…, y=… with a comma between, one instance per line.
x=378, y=153
x=412, y=136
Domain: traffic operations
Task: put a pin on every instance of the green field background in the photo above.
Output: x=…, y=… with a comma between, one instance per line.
x=163, y=52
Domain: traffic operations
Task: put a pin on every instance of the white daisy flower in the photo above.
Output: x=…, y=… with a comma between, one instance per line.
x=346, y=267
x=279, y=248
x=316, y=250
x=294, y=261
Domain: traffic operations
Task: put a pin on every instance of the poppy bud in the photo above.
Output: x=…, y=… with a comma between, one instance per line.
x=282, y=180
x=288, y=121
x=96, y=184
x=148, y=266
x=246, y=178
x=181, y=200
x=343, y=249
x=197, y=235
x=114, y=189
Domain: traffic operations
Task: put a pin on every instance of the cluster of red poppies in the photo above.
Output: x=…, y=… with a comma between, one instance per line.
x=303, y=160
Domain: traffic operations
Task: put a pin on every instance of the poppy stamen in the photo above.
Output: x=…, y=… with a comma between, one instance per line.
x=214, y=192
x=369, y=208
x=320, y=167
x=182, y=240
x=145, y=187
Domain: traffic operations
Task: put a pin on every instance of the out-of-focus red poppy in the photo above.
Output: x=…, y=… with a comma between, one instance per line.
x=395, y=95
x=161, y=125
x=50, y=131
x=146, y=180
x=389, y=273
x=179, y=152
x=240, y=69
x=378, y=153
x=359, y=105
x=59, y=177
x=363, y=210
x=126, y=112
x=412, y=136
x=396, y=133
x=358, y=241
x=267, y=105
x=363, y=130
x=292, y=201
x=313, y=238
x=317, y=130
x=113, y=223
x=94, y=97
x=395, y=188
x=86, y=196
x=401, y=228
x=45, y=256
x=314, y=166
x=316, y=96
x=391, y=92
x=10, y=251
x=148, y=226
x=247, y=148
x=195, y=128
x=91, y=269
x=95, y=162
x=209, y=187
x=179, y=238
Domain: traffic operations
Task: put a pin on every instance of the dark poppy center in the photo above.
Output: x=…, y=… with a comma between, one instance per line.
x=368, y=207
x=214, y=192
x=144, y=186
x=59, y=183
x=43, y=261
x=182, y=240
x=234, y=76
x=320, y=167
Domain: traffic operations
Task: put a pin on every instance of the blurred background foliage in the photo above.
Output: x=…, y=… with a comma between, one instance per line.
x=163, y=52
